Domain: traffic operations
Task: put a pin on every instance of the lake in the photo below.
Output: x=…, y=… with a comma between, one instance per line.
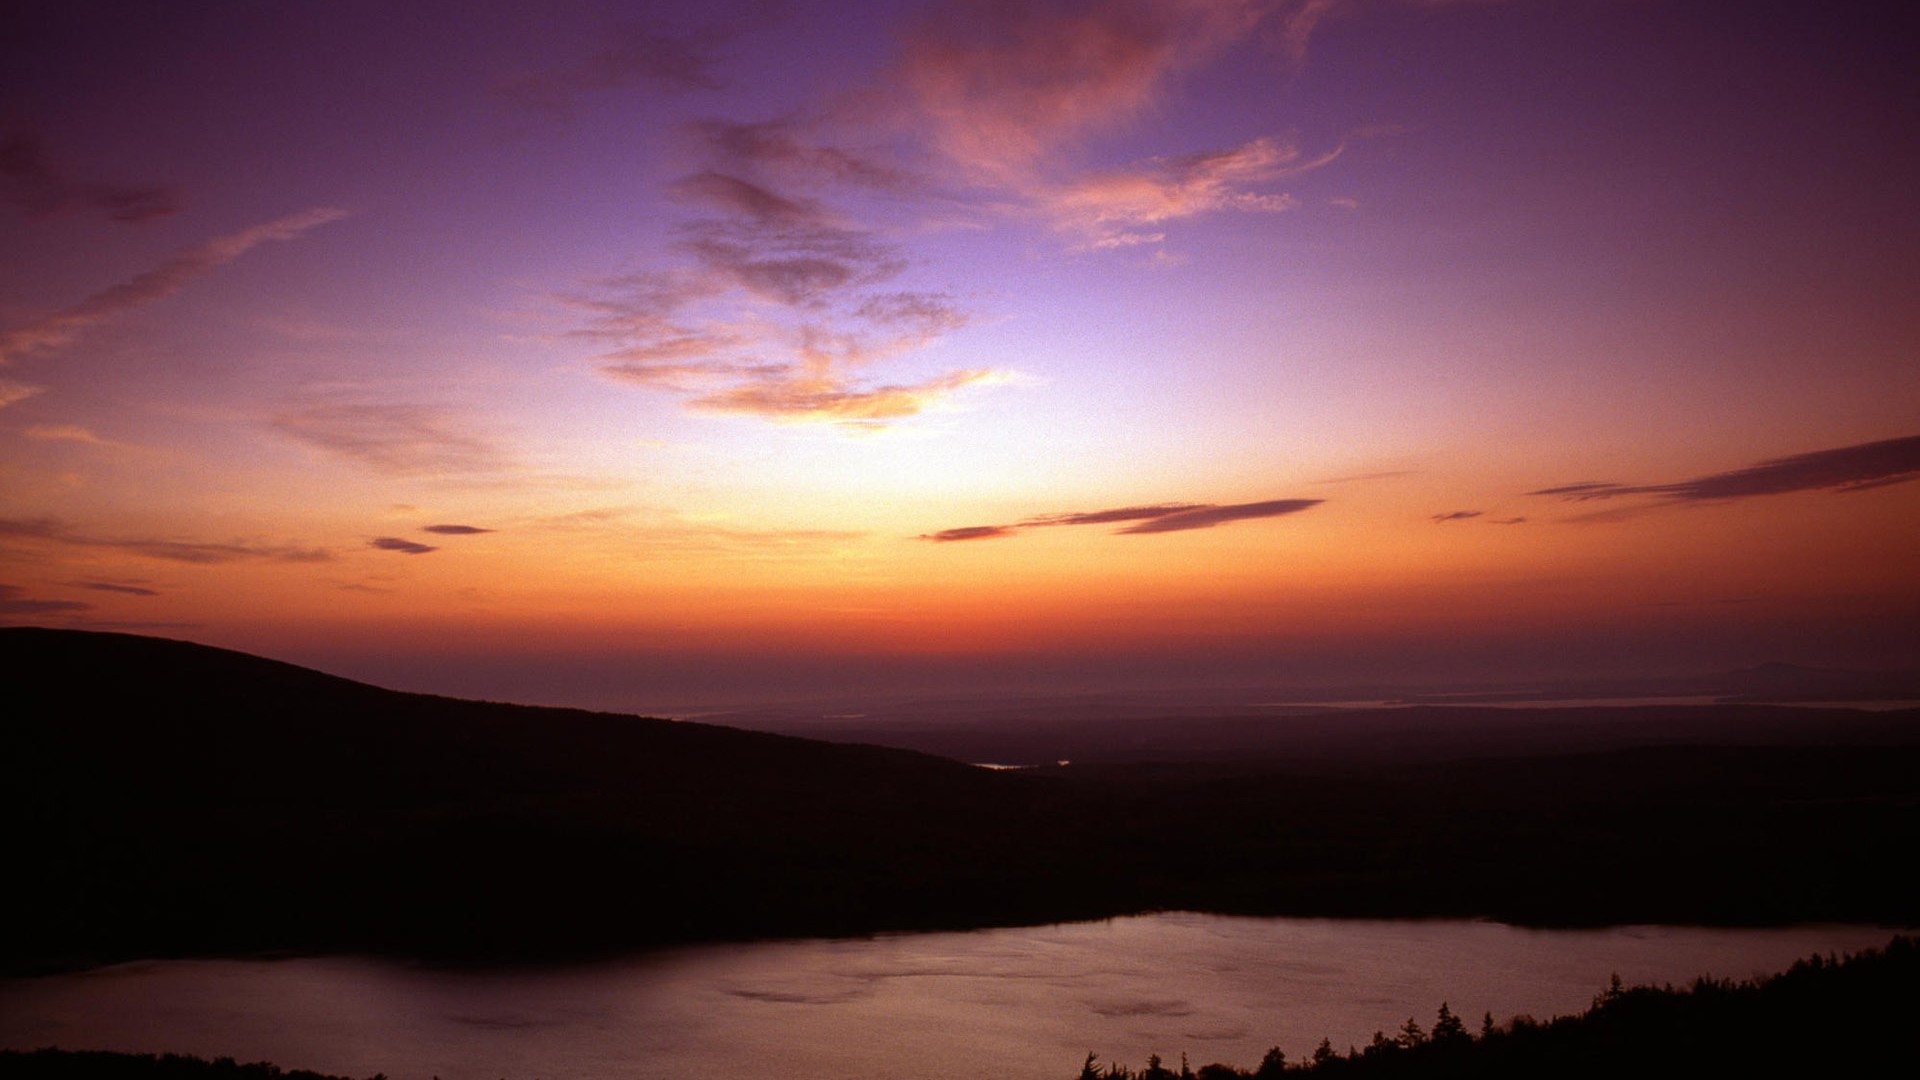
x=1025, y=1003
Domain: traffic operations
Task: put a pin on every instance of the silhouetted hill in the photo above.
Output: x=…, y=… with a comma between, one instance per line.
x=167, y=798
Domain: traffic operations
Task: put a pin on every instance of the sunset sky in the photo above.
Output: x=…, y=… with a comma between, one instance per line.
x=639, y=355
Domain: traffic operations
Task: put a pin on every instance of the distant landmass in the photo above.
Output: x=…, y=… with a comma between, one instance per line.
x=165, y=798
x=1412, y=727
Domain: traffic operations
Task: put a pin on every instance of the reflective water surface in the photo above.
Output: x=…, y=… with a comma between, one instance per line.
x=1018, y=1003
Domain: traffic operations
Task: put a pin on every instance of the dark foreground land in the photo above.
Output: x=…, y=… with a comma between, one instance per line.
x=50, y=1063
x=1849, y=1017
x=162, y=798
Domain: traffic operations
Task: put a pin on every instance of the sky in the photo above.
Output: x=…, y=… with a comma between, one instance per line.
x=641, y=355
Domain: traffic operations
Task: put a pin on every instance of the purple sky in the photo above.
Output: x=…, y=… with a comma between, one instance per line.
x=654, y=353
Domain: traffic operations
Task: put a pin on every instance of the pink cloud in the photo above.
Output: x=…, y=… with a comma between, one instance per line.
x=999, y=86
x=835, y=399
x=1109, y=205
x=774, y=313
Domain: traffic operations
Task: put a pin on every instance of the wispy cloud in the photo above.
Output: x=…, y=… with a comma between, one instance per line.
x=402, y=439
x=403, y=546
x=1105, y=517
x=12, y=392
x=13, y=601
x=972, y=532
x=1846, y=468
x=1111, y=206
x=1360, y=478
x=744, y=198
x=1206, y=517
x=655, y=533
x=998, y=88
x=772, y=300
x=1151, y=518
x=1009, y=96
x=805, y=398
x=1297, y=25
x=637, y=55
x=780, y=150
x=63, y=433
x=35, y=184
x=162, y=281
x=112, y=587
x=776, y=311
x=1457, y=515
x=51, y=531
x=455, y=530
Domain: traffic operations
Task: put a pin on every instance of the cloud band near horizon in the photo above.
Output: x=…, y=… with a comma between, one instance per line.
x=1846, y=468
x=1152, y=518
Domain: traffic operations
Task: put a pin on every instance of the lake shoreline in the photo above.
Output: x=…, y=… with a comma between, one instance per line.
x=1221, y=987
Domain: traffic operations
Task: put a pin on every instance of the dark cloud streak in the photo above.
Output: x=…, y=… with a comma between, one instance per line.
x=1150, y=518
x=405, y=547
x=107, y=586
x=1847, y=468
x=47, y=530
x=1124, y=513
x=772, y=146
x=971, y=532
x=13, y=603
x=1206, y=517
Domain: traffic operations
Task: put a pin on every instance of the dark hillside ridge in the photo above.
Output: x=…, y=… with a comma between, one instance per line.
x=175, y=798
x=167, y=798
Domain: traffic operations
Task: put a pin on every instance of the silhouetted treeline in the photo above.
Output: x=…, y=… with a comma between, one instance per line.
x=160, y=798
x=1822, y=1017
x=53, y=1064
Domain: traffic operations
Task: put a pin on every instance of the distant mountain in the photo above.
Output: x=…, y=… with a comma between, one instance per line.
x=159, y=797
x=1300, y=738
